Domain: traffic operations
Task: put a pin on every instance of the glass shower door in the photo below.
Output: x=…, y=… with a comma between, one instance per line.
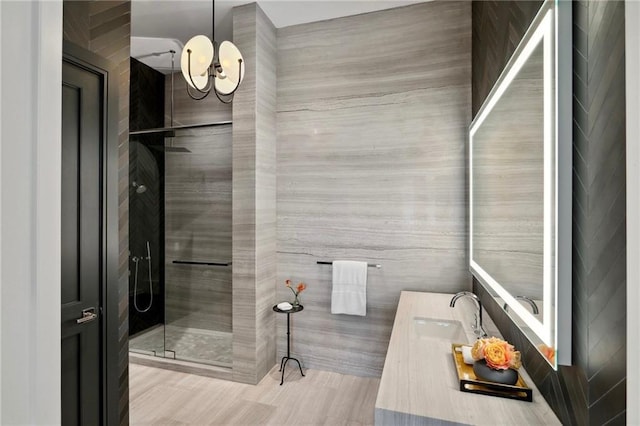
x=146, y=245
x=198, y=270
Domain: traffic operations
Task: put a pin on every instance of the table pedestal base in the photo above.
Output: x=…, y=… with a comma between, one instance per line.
x=283, y=364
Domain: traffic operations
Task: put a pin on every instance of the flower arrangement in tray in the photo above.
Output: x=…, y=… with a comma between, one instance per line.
x=496, y=360
x=296, y=292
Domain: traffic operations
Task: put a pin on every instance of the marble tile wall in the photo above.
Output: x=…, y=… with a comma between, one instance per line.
x=198, y=228
x=266, y=241
x=198, y=209
x=146, y=219
x=187, y=111
x=372, y=116
x=146, y=215
x=254, y=197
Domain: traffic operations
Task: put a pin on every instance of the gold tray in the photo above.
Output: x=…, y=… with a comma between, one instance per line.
x=470, y=383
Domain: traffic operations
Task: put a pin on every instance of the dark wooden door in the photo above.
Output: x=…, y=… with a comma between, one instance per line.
x=82, y=257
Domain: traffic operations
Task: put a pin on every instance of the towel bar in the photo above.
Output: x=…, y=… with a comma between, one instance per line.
x=193, y=262
x=370, y=265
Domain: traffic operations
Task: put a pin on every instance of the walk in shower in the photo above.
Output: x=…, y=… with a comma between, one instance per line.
x=179, y=232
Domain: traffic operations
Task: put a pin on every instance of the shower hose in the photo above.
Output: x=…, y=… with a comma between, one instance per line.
x=137, y=260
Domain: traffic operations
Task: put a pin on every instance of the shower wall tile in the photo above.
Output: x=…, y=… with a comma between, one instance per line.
x=187, y=111
x=198, y=228
x=198, y=211
x=146, y=104
x=146, y=216
x=372, y=117
x=254, y=197
x=145, y=221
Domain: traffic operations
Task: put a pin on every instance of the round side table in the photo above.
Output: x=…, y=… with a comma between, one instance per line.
x=285, y=359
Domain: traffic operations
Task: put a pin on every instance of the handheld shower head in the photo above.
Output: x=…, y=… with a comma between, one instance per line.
x=140, y=188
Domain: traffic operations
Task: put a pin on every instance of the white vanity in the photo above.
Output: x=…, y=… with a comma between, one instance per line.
x=419, y=384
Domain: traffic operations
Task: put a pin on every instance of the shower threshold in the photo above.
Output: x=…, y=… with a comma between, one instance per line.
x=185, y=344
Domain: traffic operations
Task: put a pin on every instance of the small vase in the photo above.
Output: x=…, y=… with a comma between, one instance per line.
x=295, y=302
x=484, y=372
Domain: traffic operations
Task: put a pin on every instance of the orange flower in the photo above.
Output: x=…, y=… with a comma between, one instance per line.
x=498, y=354
x=299, y=288
x=477, y=351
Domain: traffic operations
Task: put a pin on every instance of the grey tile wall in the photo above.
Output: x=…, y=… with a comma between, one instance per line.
x=372, y=115
x=146, y=215
x=198, y=228
x=187, y=111
x=599, y=206
x=198, y=209
x=254, y=197
x=75, y=22
x=146, y=101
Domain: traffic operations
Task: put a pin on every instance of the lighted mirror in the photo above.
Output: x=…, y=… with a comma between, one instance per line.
x=513, y=174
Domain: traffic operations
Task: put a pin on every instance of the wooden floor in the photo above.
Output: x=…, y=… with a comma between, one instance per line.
x=163, y=397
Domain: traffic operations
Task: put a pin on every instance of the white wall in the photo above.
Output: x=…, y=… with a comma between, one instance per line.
x=1, y=116
x=632, y=43
x=30, y=167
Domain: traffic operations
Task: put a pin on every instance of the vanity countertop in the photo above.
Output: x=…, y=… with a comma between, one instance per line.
x=419, y=384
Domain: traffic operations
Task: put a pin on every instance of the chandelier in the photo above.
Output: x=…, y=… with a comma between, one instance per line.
x=208, y=67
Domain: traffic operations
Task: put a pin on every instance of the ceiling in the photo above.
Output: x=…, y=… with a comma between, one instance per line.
x=168, y=24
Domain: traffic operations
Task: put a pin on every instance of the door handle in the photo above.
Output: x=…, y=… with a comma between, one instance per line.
x=88, y=315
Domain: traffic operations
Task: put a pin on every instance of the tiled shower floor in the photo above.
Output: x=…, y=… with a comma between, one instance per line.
x=188, y=344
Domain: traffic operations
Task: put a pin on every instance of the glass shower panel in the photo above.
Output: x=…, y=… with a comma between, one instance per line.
x=146, y=245
x=198, y=270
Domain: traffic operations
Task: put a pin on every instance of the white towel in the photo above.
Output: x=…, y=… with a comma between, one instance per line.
x=349, y=294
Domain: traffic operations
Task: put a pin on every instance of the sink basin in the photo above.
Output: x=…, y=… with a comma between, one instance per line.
x=432, y=328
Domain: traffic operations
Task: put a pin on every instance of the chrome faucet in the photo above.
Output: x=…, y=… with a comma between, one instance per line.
x=478, y=330
x=534, y=307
